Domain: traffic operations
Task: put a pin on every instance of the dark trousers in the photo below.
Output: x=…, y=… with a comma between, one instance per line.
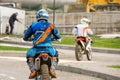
x=11, y=27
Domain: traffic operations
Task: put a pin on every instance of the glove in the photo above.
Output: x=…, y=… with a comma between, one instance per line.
x=22, y=40
x=59, y=40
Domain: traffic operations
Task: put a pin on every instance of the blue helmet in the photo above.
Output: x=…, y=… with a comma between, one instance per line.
x=42, y=14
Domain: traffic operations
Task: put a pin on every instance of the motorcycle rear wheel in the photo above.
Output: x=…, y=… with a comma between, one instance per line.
x=45, y=72
x=78, y=52
x=38, y=77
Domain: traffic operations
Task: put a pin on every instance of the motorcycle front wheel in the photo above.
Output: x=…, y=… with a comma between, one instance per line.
x=89, y=54
x=78, y=52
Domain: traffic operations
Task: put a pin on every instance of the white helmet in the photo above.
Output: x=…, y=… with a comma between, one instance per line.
x=85, y=21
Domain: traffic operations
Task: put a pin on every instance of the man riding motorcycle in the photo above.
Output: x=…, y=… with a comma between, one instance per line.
x=42, y=30
x=82, y=30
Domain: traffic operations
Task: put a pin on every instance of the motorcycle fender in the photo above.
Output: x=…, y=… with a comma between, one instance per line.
x=45, y=58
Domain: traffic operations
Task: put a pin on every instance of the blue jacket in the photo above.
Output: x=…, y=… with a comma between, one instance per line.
x=37, y=29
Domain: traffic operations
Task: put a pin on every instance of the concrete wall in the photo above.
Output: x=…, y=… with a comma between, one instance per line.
x=101, y=22
x=104, y=22
x=5, y=13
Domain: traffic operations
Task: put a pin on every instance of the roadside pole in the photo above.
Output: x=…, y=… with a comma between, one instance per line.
x=54, y=12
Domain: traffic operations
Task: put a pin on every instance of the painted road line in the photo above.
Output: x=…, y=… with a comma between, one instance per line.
x=7, y=77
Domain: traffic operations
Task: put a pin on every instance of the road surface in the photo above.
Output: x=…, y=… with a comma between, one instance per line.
x=15, y=68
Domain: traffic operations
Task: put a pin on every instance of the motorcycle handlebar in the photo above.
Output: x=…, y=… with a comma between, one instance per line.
x=54, y=39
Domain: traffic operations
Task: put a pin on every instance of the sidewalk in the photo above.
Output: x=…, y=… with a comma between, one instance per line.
x=91, y=68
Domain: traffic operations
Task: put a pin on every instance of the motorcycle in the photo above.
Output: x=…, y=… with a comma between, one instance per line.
x=43, y=64
x=83, y=48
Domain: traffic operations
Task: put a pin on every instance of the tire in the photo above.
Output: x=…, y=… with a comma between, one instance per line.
x=78, y=53
x=89, y=54
x=38, y=77
x=45, y=72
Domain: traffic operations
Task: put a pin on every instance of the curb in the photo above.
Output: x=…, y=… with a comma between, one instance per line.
x=94, y=49
x=87, y=72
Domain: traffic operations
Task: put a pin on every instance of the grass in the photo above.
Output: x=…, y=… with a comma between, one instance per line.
x=115, y=66
x=66, y=40
x=97, y=42
x=107, y=42
x=13, y=48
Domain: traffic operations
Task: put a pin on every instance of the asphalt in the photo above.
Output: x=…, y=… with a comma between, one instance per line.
x=90, y=68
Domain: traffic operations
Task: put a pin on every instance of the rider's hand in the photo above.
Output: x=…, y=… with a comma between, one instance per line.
x=22, y=40
x=59, y=40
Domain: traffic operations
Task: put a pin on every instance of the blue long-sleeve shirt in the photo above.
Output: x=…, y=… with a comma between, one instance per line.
x=37, y=29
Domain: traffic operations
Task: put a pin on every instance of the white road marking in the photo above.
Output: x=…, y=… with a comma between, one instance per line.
x=12, y=78
x=61, y=60
x=15, y=45
x=14, y=58
x=6, y=76
x=3, y=75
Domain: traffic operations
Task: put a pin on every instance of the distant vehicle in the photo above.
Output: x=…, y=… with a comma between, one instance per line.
x=72, y=5
x=102, y=5
x=94, y=6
